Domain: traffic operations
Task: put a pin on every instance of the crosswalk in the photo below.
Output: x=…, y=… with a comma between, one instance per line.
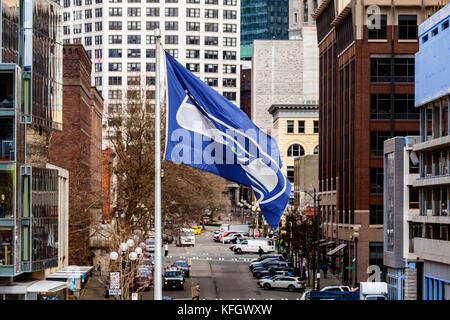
x=210, y=258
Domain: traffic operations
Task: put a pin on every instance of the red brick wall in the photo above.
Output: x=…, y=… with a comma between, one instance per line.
x=106, y=184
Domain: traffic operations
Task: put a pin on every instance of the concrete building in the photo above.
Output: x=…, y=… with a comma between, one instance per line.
x=119, y=38
x=284, y=72
x=363, y=101
x=296, y=130
x=300, y=16
x=78, y=148
x=306, y=174
x=246, y=90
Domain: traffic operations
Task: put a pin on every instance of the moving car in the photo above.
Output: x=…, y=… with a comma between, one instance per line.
x=282, y=282
x=173, y=278
x=233, y=238
x=218, y=237
x=253, y=245
x=182, y=265
x=186, y=237
x=197, y=229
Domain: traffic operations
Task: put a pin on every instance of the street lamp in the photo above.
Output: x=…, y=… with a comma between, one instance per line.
x=355, y=237
x=138, y=250
x=113, y=256
x=130, y=243
x=123, y=247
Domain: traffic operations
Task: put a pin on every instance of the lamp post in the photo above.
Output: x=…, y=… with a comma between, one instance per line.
x=355, y=237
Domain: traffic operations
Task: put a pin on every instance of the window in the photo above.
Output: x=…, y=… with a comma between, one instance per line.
x=229, y=42
x=150, y=67
x=435, y=32
x=229, y=55
x=150, y=39
x=379, y=33
x=404, y=69
x=227, y=68
x=172, y=12
x=88, y=41
x=295, y=150
x=88, y=27
x=290, y=173
x=77, y=40
x=211, y=13
x=192, y=40
x=230, y=95
x=376, y=180
x=193, y=1
x=115, y=12
x=88, y=14
x=98, y=12
x=377, y=142
x=98, y=67
x=171, y=25
x=229, y=28
x=115, y=39
x=211, y=1
x=98, y=81
x=7, y=142
x=77, y=28
x=376, y=214
x=171, y=1
x=211, y=54
x=445, y=25
x=192, y=13
x=376, y=253
x=380, y=69
x=229, y=14
x=115, y=53
x=316, y=126
x=290, y=126
x=192, y=26
x=380, y=107
x=229, y=2
x=89, y=53
x=66, y=3
x=133, y=81
x=134, y=53
x=66, y=30
x=316, y=150
x=229, y=83
x=152, y=12
x=212, y=82
x=7, y=240
x=173, y=52
x=88, y=2
x=98, y=1
x=211, y=68
x=152, y=25
x=114, y=108
x=134, y=39
x=150, y=81
x=211, y=41
x=114, y=94
x=66, y=16
x=115, y=81
x=211, y=27
x=150, y=53
x=77, y=3
x=193, y=54
x=98, y=40
x=134, y=12
x=77, y=15
x=171, y=40
x=301, y=126
x=115, y=66
x=134, y=25
x=115, y=25
x=193, y=67
x=133, y=66
x=407, y=27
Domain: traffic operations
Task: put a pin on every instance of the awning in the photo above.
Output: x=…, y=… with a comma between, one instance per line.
x=339, y=247
x=47, y=286
x=326, y=244
x=70, y=272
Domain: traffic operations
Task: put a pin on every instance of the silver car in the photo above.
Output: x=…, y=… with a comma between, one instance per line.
x=282, y=282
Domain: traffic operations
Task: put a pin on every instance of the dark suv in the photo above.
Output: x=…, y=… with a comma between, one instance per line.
x=173, y=279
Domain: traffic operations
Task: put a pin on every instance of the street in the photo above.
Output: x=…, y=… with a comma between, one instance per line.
x=221, y=273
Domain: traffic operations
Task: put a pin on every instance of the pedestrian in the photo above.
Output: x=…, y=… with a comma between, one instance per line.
x=196, y=293
x=99, y=267
x=166, y=249
x=260, y=251
x=324, y=269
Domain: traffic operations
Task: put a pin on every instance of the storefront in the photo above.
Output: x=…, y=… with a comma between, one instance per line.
x=34, y=290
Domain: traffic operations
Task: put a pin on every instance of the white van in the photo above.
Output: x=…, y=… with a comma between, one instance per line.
x=252, y=245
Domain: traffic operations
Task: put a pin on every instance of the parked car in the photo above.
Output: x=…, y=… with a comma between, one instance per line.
x=147, y=262
x=218, y=237
x=182, y=265
x=267, y=256
x=282, y=282
x=173, y=278
x=150, y=244
x=253, y=245
x=336, y=288
x=274, y=270
x=269, y=264
x=235, y=236
x=143, y=282
x=259, y=264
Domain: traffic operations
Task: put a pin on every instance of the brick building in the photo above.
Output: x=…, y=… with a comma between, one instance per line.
x=78, y=148
x=366, y=96
x=246, y=90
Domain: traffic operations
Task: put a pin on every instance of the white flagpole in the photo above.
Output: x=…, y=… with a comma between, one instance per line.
x=157, y=275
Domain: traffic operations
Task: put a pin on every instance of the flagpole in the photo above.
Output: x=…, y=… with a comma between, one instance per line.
x=157, y=276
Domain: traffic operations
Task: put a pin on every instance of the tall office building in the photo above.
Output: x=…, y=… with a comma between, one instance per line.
x=300, y=16
x=263, y=20
x=204, y=35
x=366, y=95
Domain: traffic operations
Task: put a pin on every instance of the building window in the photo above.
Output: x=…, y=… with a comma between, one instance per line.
x=7, y=143
x=88, y=41
x=211, y=27
x=316, y=150
x=376, y=214
x=115, y=12
x=301, y=126
x=376, y=180
x=134, y=39
x=134, y=25
x=115, y=81
x=229, y=42
x=150, y=39
x=152, y=12
x=115, y=25
x=171, y=25
x=316, y=126
x=172, y=12
x=98, y=12
x=115, y=53
x=229, y=28
x=290, y=126
x=211, y=13
x=66, y=16
x=230, y=95
x=98, y=67
x=193, y=13
x=133, y=66
x=134, y=12
x=152, y=25
x=173, y=52
x=211, y=1
x=193, y=1
x=193, y=67
x=229, y=55
x=290, y=173
x=171, y=40
x=150, y=53
x=227, y=68
x=134, y=53
x=150, y=81
x=193, y=54
x=115, y=66
x=229, y=2
x=376, y=254
x=377, y=142
x=211, y=41
x=7, y=240
x=380, y=69
x=212, y=82
x=88, y=27
x=193, y=40
x=211, y=68
x=150, y=67
x=211, y=54
x=407, y=27
x=229, y=83
x=77, y=28
x=88, y=14
x=115, y=39
x=192, y=26
x=98, y=81
x=229, y=14
x=380, y=107
x=66, y=29
x=98, y=26
x=77, y=15
x=98, y=39
x=115, y=94
x=379, y=33
x=295, y=150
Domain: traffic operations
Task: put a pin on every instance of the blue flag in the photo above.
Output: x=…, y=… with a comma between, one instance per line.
x=208, y=132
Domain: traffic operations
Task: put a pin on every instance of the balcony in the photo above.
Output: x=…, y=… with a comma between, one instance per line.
x=433, y=250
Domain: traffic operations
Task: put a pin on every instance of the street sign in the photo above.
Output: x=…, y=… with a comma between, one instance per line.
x=350, y=268
x=222, y=230
x=134, y=296
x=115, y=292
x=114, y=280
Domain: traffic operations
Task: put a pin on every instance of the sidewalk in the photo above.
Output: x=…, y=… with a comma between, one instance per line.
x=331, y=280
x=95, y=289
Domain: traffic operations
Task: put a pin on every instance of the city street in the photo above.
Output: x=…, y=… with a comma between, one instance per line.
x=221, y=273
